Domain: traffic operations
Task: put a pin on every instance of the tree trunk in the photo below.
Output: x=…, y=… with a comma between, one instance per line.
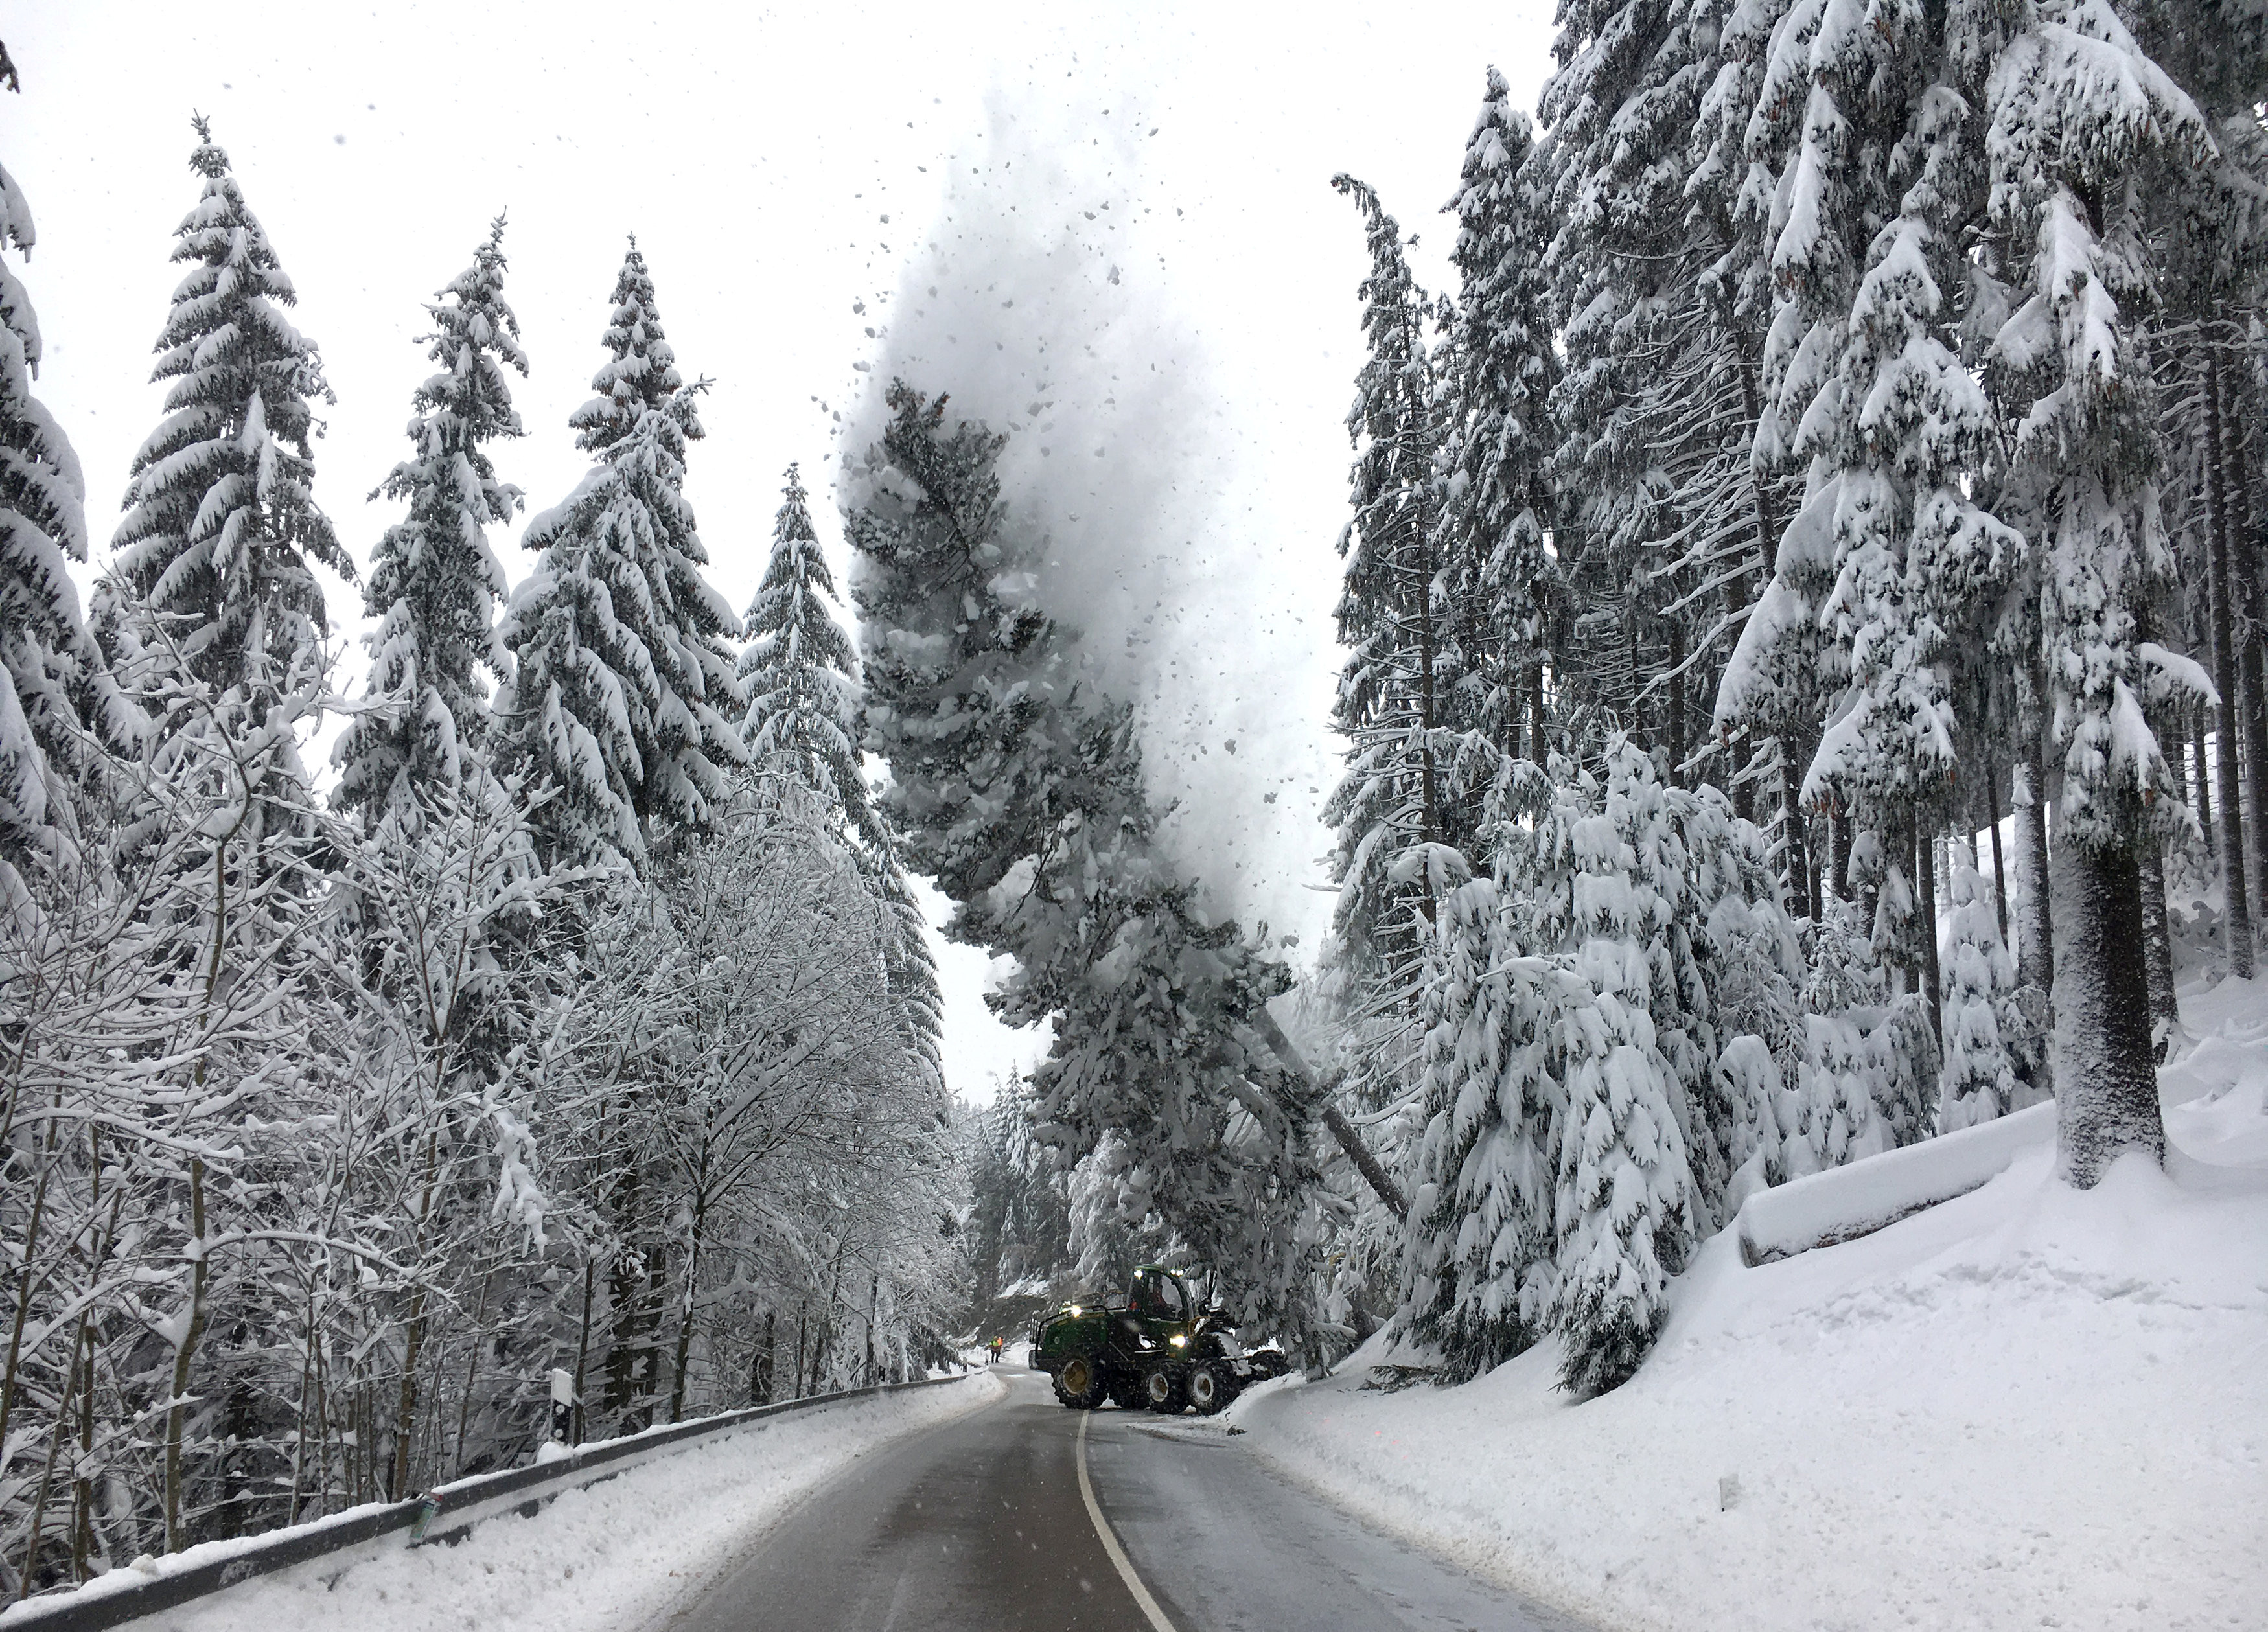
x=2035, y=929
x=2200, y=777
x=2106, y=1080
x=652, y=1292
x=2165, y=1006
x=760, y=1392
x=873, y=1301
x=1673, y=704
x=583, y=1343
x=405, y=1412
x=1925, y=874
x=2236, y=921
x=685, y=1304
x=1539, y=748
x=405, y=1405
x=177, y=1410
x=1802, y=890
x=48, y=1481
x=1340, y=1129
x=2000, y=868
x=2252, y=698
x=1838, y=851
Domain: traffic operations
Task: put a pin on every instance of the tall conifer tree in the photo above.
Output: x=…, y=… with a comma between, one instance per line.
x=1397, y=686
x=804, y=722
x=624, y=700
x=435, y=585
x=1496, y=508
x=221, y=529
x=2074, y=108
x=52, y=679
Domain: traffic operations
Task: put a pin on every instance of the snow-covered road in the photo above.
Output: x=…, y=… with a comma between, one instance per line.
x=981, y=1524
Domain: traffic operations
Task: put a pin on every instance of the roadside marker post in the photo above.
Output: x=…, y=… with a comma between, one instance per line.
x=562, y=1407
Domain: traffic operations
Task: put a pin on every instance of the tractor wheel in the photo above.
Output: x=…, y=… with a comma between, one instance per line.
x=1126, y=1390
x=1164, y=1392
x=1078, y=1384
x=1211, y=1387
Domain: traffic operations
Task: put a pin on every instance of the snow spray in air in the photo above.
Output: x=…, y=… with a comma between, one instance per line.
x=1041, y=303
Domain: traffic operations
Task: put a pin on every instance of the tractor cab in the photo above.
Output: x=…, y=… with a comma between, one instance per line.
x=1158, y=1294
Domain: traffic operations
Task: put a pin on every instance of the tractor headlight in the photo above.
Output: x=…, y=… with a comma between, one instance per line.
x=1179, y=1342
x=1074, y=1309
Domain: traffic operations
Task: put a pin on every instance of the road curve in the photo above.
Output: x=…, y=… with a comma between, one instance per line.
x=979, y=1525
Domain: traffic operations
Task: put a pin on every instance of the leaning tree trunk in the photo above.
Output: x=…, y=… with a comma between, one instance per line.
x=2106, y=1079
x=1334, y=1121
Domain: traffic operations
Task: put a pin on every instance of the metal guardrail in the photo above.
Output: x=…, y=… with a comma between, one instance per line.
x=443, y=1513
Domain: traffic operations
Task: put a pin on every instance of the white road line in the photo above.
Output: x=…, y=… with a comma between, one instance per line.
x=1158, y=1622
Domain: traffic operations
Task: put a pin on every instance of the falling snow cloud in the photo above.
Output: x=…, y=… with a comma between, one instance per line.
x=1041, y=299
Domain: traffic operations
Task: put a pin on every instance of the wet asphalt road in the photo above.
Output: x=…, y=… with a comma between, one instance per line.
x=978, y=1525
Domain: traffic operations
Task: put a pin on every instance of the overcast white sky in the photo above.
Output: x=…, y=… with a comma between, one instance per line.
x=796, y=179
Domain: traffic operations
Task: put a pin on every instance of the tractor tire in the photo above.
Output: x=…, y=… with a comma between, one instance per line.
x=1126, y=1390
x=1078, y=1384
x=1211, y=1387
x=1165, y=1391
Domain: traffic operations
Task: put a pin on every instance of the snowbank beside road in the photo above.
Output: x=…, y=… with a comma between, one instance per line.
x=2025, y=1407
x=612, y=1558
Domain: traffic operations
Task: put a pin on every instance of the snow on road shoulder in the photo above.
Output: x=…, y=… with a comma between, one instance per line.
x=2026, y=1408
x=611, y=1558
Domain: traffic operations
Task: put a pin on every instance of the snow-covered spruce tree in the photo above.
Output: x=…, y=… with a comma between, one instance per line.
x=1403, y=671
x=52, y=680
x=1625, y=1202
x=213, y=604
x=802, y=729
x=435, y=585
x=798, y=671
x=2208, y=225
x=1780, y=671
x=1020, y=1213
x=1495, y=508
x=1655, y=533
x=1022, y=792
x=1529, y=986
x=1479, y=1249
x=623, y=699
x=221, y=523
x=1843, y=1068
x=2073, y=108
x=1978, y=1083
x=1876, y=185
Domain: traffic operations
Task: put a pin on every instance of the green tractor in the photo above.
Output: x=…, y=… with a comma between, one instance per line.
x=1156, y=1349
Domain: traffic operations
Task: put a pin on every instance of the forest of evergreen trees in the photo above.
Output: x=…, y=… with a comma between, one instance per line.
x=582, y=1020
x=1798, y=587
x=1817, y=547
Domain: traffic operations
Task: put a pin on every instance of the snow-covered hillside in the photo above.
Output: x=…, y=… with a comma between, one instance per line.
x=2029, y=1406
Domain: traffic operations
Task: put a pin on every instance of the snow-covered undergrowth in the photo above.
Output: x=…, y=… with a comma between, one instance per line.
x=2027, y=1407
x=612, y=1558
